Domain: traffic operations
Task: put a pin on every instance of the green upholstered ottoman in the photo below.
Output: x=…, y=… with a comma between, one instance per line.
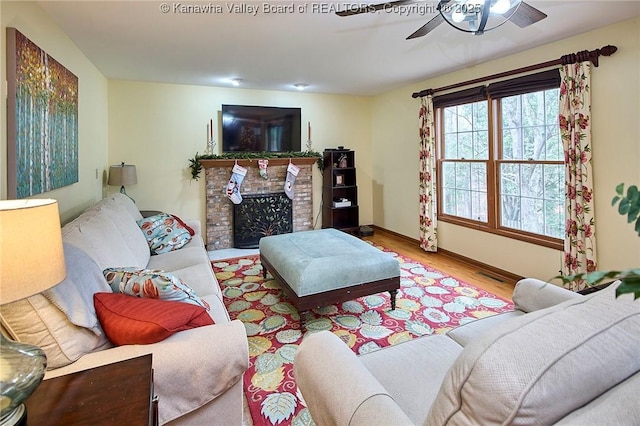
x=327, y=266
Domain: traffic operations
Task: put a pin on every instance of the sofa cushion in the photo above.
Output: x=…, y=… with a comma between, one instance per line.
x=164, y=233
x=430, y=358
x=62, y=320
x=129, y=320
x=99, y=237
x=151, y=284
x=537, y=368
x=37, y=321
x=122, y=200
x=74, y=295
x=187, y=256
x=120, y=215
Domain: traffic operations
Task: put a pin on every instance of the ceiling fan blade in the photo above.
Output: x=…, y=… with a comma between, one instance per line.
x=368, y=8
x=428, y=27
x=526, y=15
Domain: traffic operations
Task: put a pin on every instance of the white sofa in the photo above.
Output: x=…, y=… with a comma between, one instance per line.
x=559, y=358
x=197, y=372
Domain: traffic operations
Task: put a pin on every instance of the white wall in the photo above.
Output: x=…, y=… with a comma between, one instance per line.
x=159, y=127
x=616, y=153
x=36, y=25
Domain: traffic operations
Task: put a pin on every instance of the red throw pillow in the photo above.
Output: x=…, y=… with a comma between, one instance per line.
x=129, y=320
x=181, y=222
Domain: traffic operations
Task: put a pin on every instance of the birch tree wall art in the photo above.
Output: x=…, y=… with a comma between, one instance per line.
x=42, y=120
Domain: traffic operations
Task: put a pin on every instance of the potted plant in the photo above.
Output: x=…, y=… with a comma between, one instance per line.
x=629, y=206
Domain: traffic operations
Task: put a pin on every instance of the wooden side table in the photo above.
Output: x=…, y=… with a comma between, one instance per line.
x=113, y=394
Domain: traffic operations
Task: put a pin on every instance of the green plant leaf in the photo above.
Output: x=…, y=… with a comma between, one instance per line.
x=634, y=210
x=620, y=189
x=623, y=207
x=615, y=200
x=629, y=285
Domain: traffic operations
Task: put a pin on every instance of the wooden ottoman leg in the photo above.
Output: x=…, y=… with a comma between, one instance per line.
x=393, y=294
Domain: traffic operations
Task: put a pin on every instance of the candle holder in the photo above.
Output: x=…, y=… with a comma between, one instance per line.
x=308, y=145
x=211, y=146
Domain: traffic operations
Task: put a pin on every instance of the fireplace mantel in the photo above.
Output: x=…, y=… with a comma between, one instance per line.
x=253, y=162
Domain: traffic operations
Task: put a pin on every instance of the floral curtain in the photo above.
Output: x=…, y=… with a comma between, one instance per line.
x=575, y=130
x=428, y=209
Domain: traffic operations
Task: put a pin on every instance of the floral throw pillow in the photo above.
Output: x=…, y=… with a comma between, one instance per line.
x=151, y=284
x=164, y=233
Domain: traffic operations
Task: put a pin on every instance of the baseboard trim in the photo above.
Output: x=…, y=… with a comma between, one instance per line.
x=488, y=270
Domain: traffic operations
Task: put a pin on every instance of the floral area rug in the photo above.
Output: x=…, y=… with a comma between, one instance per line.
x=428, y=302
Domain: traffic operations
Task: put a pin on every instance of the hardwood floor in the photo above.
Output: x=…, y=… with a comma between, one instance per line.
x=473, y=274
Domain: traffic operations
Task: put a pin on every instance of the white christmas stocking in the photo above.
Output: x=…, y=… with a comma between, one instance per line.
x=233, y=187
x=292, y=172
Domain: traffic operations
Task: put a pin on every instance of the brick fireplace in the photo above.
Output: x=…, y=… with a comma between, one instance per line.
x=219, y=209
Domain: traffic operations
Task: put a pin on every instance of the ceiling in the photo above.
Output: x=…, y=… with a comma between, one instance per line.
x=359, y=55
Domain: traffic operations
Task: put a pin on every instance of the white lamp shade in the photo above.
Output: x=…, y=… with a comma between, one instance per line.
x=122, y=175
x=31, y=253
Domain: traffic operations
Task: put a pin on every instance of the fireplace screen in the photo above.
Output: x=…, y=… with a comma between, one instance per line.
x=260, y=215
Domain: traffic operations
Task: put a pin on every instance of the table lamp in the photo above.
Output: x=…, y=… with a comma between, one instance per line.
x=31, y=261
x=123, y=174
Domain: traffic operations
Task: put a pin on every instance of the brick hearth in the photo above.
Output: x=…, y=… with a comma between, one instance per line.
x=219, y=209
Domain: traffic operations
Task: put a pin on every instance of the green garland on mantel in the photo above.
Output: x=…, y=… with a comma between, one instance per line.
x=196, y=166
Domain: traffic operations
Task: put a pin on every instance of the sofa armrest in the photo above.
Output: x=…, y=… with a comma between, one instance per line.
x=191, y=367
x=532, y=294
x=337, y=387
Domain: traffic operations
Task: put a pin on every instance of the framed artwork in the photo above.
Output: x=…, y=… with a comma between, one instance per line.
x=42, y=120
x=339, y=180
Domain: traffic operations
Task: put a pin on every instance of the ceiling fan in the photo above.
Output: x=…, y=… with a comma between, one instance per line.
x=472, y=16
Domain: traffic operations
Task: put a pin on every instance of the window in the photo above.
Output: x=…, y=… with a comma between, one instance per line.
x=501, y=161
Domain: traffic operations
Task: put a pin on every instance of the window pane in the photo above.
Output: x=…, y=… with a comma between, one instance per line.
x=465, y=117
x=466, y=133
x=480, y=145
x=480, y=115
x=465, y=145
x=463, y=203
x=554, y=144
x=530, y=126
x=450, y=120
x=464, y=190
x=479, y=177
x=451, y=145
x=448, y=175
x=510, y=183
x=533, y=109
x=532, y=198
x=463, y=176
x=552, y=106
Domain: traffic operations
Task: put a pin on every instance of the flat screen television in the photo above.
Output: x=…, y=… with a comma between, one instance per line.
x=260, y=128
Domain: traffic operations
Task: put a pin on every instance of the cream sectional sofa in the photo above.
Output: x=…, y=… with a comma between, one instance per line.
x=197, y=372
x=559, y=358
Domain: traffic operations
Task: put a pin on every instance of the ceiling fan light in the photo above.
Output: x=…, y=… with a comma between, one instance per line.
x=500, y=6
x=477, y=16
x=457, y=16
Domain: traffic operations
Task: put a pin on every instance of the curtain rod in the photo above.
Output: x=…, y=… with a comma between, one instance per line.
x=572, y=58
